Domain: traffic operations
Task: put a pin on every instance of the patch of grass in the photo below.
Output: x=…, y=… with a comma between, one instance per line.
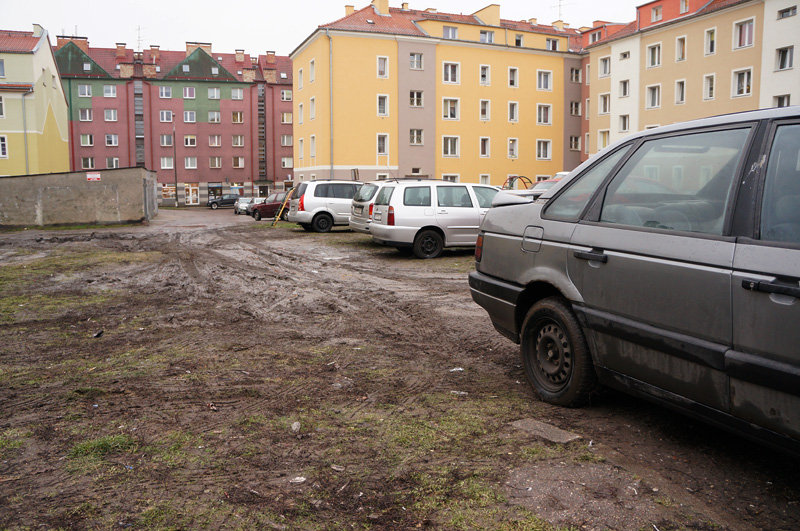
x=75, y=226
x=538, y=452
x=158, y=516
x=42, y=306
x=100, y=447
x=11, y=439
x=590, y=457
x=176, y=449
x=88, y=393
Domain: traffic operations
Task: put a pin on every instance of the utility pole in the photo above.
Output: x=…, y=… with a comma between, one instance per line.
x=175, y=160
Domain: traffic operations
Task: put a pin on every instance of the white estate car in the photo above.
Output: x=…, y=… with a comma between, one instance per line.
x=362, y=205
x=319, y=205
x=429, y=215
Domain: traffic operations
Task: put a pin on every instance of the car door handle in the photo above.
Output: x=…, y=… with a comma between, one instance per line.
x=770, y=287
x=442, y=211
x=593, y=255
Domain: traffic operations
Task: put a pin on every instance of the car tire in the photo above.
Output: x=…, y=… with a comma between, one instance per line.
x=555, y=354
x=428, y=244
x=236, y=211
x=257, y=215
x=322, y=223
x=285, y=215
x=214, y=206
x=306, y=227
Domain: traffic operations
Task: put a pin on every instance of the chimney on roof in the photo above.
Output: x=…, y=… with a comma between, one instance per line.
x=431, y=10
x=566, y=26
x=254, y=60
x=381, y=6
x=240, y=56
x=404, y=6
x=533, y=21
x=270, y=57
x=584, y=28
x=155, y=52
x=558, y=24
x=192, y=46
x=120, y=50
x=349, y=10
x=38, y=30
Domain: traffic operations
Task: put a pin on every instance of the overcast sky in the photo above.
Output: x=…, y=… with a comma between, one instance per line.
x=257, y=26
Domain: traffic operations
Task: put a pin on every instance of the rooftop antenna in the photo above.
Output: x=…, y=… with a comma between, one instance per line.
x=138, y=38
x=560, y=5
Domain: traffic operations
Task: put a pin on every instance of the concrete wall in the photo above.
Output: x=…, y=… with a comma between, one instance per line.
x=120, y=196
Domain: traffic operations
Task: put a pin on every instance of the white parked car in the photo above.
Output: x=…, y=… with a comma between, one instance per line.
x=319, y=205
x=362, y=205
x=240, y=206
x=428, y=216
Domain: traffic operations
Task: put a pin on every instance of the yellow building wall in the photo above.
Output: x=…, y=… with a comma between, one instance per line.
x=504, y=36
x=317, y=51
x=598, y=85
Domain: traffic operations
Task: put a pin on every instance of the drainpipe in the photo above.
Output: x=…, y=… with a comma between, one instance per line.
x=25, y=130
x=175, y=160
x=330, y=92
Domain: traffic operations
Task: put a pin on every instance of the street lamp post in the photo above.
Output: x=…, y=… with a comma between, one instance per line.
x=175, y=160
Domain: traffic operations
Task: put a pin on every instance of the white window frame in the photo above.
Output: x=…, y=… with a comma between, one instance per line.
x=234, y=114
x=312, y=108
x=488, y=115
x=112, y=113
x=485, y=178
x=237, y=141
x=414, y=139
x=488, y=81
x=109, y=91
x=413, y=64
x=215, y=162
x=312, y=70
x=575, y=146
x=450, y=32
x=87, y=140
x=189, y=93
x=214, y=117
x=604, y=98
x=237, y=162
x=165, y=92
x=683, y=100
x=586, y=138
x=713, y=78
x=85, y=115
x=214, y=93
x=683, y=6
x=649, y=56
x=312, y=146
x=286, y=95
x=378, y=98
x=167, y=163
x=549, y=77
x=576, y=75
x=679, y=59
x=735, y=44
x=445, y=108
x=287, y=140
x=299, y=78
x=385, y=152
x=539, y=107
x=790, y=58
x=551, y=44
x=486, y=36
x=300, y=113
x=189, y=163
x=512, y=154
x=445, y=69
x=2, y=108
x=301, y=144
x=84, y=90
x=378, y=60
x=87, y=163
x=647, y=104
x=601, y=144
x=163, y=137
x=114, y=163
x=488, y=143
x=574, y=108
x=549, y=144
x=624, y=123
x=515, y=78
x=189, y=117
x=707, y=41
x=624, y=88
x=656, y=13
x=189, y=140
x=287, y=117
x=513, y=105
x=604, y=61
x=237, y=93
x=112, y=140
x=214, y=140
x=287, y=162
x=734, y=82
x=413, y=99
x=457, y=144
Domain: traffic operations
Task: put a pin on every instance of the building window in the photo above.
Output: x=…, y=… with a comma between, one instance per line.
x=655, y=14
x=680, y=91
x=449, y=146
x=594, y=37
x=485, y=75
x=415, y=61
x=603, y=138
x=605, y=104
x=110, y=115
x=784, y=58
x=513, y=77
x=2, y=69
x=301, y=149
x=237, y=117
x=741, y=82
x=165, y=140
x=624, y=123
x=300, y=113
x=684, y=6
x=112, y=162
x=708, y=87
x=84, y=91
x=189, y=117
x=624, y=88
x=450, y=109
x=543, y=80
x=574, y=143
x=484, y=179
x=450, y=178
x=312, y=146
x=449, y=32
x=680, y=49
x=653, y=97
x=518, y=40
x=237, y=162
x=586, y=143
x=383, y=105
x=87, y=140
x=109, y=91
x=286, y=95
x=551, y=44
x=312, y=108
x=415, y=98
x=513, y=111
x=783, y=13
x=166, y=163
x=213, y=93
x=588, y=74
x=711, y=41
x=450, y=74
x=605, y=67
x=87, y=163
x=383, y=67
x=2, y=112
x=415, y=137
x=487, y=36
x=215, y=162
x=85, y=115
x=112, y=140
x=214, y=117
x=543, y=114
x=485, y=110
x=781, y=101
x=185, y=69
x=575, y=75
x=190, y=163
x=575, y=108
x=188, y=93
x=743, y=34
x=624, y=55
x=237, y=140
x=484, y=146
x=164, y=92
x=543, y=150
x=286, y=117
x=586, y=109
x=287, y=162
x=215, y=140
x=383, y=144
x=513, y=148
x=300, y=78
x=312, y=72
x=87, y=67
x=286, y=140
x=654, y=55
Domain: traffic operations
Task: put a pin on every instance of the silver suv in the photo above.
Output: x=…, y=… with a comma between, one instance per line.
x=319, y=205
x=667, y=266
x=428, y=216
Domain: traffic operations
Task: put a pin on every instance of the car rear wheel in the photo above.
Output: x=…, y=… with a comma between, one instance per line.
x=555, y=354
x=428, y=244
x=257, y=215
x=322, y=223
x=214, y=206
x=306, y=227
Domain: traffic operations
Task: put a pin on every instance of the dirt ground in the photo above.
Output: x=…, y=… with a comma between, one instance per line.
x=211, y=371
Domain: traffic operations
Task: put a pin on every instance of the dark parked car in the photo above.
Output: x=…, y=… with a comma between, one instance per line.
x=666, y=266
x=269, y=208
x=226, y=200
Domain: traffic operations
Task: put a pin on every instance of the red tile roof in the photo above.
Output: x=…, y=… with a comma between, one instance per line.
x=17, y=41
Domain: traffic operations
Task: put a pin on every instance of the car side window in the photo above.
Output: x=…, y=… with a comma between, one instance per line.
x=569, y=205
x=417, y=196
x=322, y=190
x=680, y=183
x=485, y=195
x=453, y=196
x=384, y=195
x=343, y=191
x=780, y=207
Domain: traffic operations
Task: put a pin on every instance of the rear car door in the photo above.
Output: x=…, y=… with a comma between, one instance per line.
x=457, y=215
x=339, y=198
x=764, y=366
x=653, y=265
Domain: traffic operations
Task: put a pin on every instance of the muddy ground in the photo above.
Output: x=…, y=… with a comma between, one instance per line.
x=201, y=372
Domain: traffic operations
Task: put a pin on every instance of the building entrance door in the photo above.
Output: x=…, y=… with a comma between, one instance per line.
x=192, y=194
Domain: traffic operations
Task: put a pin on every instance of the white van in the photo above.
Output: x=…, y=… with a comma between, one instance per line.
x=319, y=205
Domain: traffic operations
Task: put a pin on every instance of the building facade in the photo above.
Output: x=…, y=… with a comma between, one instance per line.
x=202, y=120
x=34, y=126
x=392, y=92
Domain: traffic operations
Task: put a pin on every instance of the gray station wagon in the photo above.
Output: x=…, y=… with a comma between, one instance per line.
x=666, y=266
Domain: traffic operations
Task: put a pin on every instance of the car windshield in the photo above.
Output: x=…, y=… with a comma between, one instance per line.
x=366, y=192
x=543, y=185
x=270, y=198
x=384, y=195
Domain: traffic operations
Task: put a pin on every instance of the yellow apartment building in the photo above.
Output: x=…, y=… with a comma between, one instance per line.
x=34, y=126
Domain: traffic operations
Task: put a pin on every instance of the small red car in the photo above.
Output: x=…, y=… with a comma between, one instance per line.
x=269, y=208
